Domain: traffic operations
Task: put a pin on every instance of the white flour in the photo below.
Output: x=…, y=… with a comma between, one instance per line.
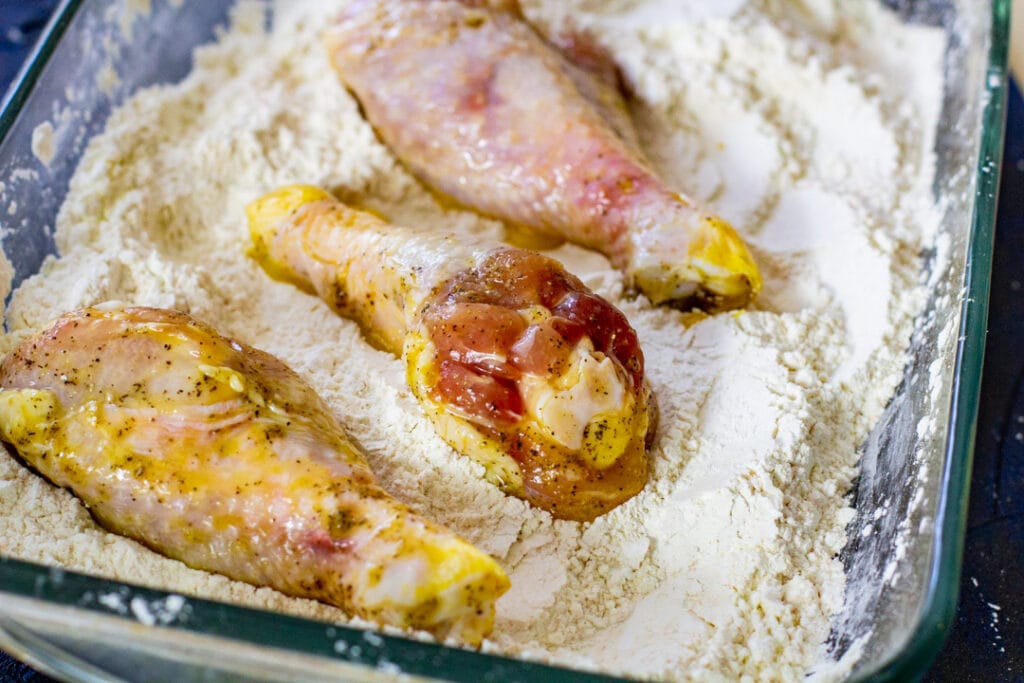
x=780, y=114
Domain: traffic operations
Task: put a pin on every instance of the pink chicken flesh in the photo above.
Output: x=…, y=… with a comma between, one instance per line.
x=485, y=111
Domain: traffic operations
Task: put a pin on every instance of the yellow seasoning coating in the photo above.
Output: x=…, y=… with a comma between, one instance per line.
x=218, y=455
x=519, y=366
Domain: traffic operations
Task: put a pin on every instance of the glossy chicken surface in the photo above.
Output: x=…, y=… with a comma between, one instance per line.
x=482, y=109
x=218, y=455
x=517, y=363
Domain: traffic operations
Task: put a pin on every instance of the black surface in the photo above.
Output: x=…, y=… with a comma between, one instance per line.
x=20, y=24
x=986, y=641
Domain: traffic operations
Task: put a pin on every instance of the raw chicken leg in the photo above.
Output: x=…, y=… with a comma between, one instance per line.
x=218, y=455
x=518, y=364
x=485, y=111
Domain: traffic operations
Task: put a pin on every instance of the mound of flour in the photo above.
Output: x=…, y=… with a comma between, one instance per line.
x=779, y=115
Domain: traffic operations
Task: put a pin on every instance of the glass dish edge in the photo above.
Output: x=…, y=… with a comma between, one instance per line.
x=940, y=602
x=221, y=619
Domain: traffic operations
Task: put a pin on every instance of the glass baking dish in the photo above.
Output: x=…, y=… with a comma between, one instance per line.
x=83, y=628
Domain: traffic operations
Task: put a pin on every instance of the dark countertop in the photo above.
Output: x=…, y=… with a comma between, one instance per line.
x=985, y=643
x=987, y=640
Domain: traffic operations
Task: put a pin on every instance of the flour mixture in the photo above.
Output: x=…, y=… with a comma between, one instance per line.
x=809, y=125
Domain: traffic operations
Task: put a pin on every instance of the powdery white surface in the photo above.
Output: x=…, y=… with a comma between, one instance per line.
x=780, y=114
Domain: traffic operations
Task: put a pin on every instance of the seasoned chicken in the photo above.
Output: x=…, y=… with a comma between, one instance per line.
x=517, y=363
x=218, y=455
x=482, y=109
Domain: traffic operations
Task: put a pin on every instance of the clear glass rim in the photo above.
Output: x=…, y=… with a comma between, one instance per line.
x=939, y=606
x=34, y=65
x=271, y=629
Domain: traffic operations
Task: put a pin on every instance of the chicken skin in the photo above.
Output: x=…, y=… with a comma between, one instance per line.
x=217, y=454
x=485, y=111
x=516, y=362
